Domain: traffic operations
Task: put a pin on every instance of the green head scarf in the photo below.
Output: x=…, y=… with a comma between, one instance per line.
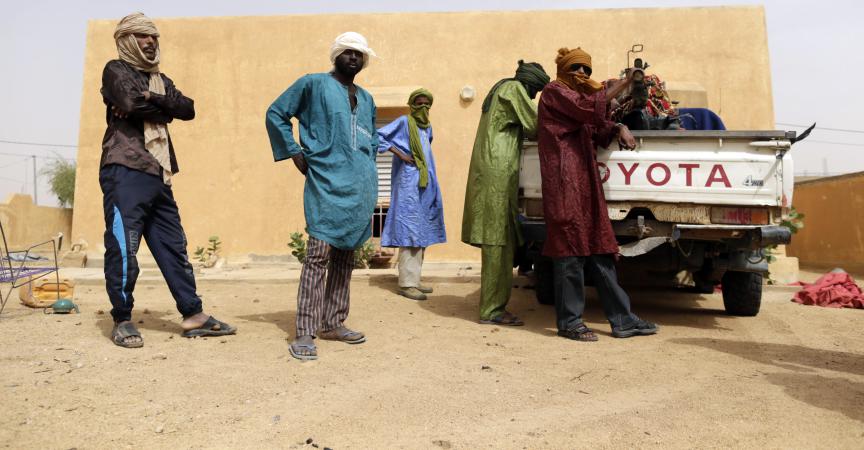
x=419, y=118
x=531, y=75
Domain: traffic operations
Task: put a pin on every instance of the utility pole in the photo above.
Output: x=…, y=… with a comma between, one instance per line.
x=35, y=182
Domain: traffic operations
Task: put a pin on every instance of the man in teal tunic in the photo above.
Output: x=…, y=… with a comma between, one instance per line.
x=336, y=154
x=489, y=218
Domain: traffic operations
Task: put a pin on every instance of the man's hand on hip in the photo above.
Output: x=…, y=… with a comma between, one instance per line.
x=300, y=162
x=407, y=159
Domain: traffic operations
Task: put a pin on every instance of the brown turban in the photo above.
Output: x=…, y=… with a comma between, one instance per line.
x=573, y=80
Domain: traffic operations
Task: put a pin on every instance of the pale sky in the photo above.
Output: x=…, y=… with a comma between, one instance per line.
x=815, y=53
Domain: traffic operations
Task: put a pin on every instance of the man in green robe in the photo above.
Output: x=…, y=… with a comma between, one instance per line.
x=489, y=219
x=336, y=154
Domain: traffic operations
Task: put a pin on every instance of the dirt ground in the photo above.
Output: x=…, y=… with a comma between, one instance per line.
x=431, y=377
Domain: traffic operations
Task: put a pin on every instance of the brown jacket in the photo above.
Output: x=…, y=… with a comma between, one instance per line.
x=123, y=144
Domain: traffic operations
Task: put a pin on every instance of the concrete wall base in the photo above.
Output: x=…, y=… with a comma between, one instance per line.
x=784, y=270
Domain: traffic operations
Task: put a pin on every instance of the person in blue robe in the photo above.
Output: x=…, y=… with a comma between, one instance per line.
x=415, y=219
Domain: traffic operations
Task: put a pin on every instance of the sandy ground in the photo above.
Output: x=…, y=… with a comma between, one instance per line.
x=431, y=377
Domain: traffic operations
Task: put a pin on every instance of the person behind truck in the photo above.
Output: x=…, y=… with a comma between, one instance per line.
x=415, y=219
x=489, y=219
x=573, y=121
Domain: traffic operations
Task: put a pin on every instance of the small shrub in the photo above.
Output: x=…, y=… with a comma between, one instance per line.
x=298, y=246
x=794, y=221
x=208, y=256
x=362, y=255
x=61, y=177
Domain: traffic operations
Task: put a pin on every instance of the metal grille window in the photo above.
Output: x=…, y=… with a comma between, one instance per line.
x=384, y=163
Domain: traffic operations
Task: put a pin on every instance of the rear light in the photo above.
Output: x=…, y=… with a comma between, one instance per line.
x=739, y=216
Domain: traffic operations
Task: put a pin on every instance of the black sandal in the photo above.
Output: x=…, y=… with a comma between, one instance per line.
x=579, y=333
x=124, y=330
x=211, y=327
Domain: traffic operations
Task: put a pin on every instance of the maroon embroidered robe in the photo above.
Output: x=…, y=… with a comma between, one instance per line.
x=571, y=125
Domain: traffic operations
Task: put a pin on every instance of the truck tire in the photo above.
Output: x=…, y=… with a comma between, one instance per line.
x=544, y=278
x=742, y=293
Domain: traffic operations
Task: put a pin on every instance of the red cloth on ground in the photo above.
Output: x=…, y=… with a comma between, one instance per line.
x=570, y=126
x=832, y=290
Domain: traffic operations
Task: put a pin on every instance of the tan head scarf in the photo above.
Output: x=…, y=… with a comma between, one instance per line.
x=155, y=134
x=575, y=80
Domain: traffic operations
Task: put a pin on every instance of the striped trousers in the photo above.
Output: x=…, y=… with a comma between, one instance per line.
x=319, y=304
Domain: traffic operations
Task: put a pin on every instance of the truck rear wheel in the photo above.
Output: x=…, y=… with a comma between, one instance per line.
x=544, y=279
x=742, y=293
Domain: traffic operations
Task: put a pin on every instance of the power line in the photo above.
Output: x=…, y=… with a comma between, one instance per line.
x=13, y=179
x=834, y=143
x=843, y=130
x=15, y=162
x=38, y=156
x=37, y=144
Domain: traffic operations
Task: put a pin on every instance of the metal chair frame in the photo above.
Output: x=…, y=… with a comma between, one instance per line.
x=17, y=275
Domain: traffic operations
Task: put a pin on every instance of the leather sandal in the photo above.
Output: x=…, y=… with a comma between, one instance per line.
x=579, y=333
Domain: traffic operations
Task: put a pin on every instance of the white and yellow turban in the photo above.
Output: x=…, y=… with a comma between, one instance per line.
x=351, y=41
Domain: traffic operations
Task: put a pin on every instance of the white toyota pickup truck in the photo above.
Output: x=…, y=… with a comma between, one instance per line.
x=703, y=203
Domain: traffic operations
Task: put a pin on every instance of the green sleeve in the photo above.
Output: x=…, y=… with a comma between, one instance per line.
x=522, y=108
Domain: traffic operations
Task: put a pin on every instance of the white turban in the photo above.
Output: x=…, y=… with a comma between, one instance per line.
x=351, y=41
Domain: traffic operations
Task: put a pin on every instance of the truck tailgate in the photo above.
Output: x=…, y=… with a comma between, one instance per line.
x=746, y=168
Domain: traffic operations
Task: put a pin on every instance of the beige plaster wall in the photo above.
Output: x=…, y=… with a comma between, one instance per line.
x=235, y=66
x=833, y=233
x=25, y=224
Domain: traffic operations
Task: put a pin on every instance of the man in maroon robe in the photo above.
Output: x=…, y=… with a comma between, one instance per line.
x=572, y=122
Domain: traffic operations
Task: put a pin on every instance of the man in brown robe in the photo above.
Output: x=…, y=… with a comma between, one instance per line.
x=572, y=122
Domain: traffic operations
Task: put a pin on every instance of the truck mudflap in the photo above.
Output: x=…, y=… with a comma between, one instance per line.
x=753, y=261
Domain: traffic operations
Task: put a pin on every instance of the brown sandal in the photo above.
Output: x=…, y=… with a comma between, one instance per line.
x=579, y=333
x=344, y=335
